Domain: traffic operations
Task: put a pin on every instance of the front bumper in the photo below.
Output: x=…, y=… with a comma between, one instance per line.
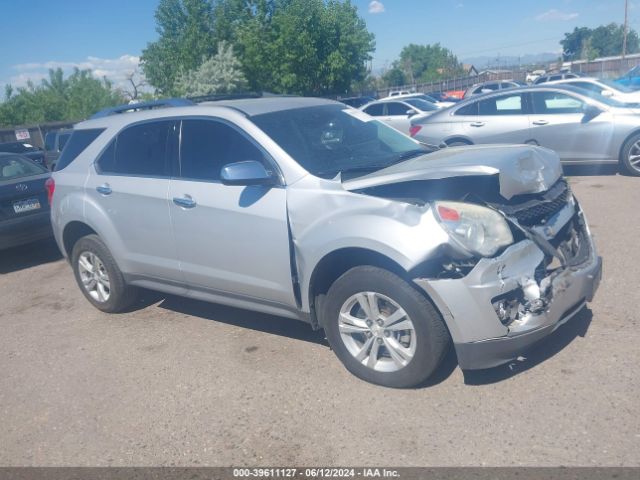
x=481, y=340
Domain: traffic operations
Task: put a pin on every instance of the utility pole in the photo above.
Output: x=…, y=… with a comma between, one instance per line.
x=626, y=28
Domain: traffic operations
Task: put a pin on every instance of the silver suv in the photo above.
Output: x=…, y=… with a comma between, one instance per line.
x=311, y=210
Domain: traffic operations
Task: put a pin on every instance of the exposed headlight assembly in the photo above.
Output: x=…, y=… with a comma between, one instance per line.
x=477, y=229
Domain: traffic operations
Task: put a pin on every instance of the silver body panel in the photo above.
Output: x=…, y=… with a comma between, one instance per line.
x=256, y=247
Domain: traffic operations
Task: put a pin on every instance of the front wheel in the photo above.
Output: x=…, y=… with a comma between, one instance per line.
x=630, y=156
x=382, y=329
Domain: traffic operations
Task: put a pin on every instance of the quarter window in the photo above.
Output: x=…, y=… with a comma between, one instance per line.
x=207, y=146
x=471, y=109
x=78, y=142
x=140, y=150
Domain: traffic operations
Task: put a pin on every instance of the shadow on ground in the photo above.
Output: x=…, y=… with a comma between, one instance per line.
x=542, y=351
x=285, y=327
x=27, y=256
x=260, y=322
x=590, y=170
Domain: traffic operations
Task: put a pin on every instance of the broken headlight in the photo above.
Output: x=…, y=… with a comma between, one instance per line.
x=477, y=229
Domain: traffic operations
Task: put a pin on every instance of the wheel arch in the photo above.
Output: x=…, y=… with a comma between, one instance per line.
x=74, y=231
x=625, y=141
x=458, y=138
x=336, y=263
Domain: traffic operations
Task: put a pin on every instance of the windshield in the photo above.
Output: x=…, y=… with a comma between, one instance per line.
x=330, y=139
x=616, y=86
x=421, y=104
x=16, y=167
x=607, y=100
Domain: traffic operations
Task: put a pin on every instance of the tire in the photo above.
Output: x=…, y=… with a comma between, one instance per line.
x=91, y=251
x=631, y=147
x=427, y=341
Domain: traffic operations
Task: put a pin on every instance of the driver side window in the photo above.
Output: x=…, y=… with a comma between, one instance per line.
x=208, y=145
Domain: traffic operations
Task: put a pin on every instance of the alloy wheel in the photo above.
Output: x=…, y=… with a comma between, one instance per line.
x=377, y=331
x=634, y=156
x=94, y=276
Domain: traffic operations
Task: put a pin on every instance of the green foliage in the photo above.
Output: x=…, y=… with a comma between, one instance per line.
x=186, y=37
x=220, y=74
x=57, y=99
x=285, y=46
x=421, y=64
x=604, y=41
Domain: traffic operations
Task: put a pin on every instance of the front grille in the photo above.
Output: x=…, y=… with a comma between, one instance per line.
x=537, y=211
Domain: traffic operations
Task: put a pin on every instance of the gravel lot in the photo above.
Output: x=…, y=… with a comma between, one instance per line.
x=178, y=382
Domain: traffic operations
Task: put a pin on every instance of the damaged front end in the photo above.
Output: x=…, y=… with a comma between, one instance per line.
x=507, y=302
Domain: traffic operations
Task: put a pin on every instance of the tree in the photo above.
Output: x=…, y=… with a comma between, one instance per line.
x=423, y=63
x=604, y=41
x=186, y=30
x=220, y=74
x=287, y=46
x=58, y=99
x=306, y=47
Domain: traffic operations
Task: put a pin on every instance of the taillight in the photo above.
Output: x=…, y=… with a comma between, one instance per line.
x=414, y=129
x=50, y=185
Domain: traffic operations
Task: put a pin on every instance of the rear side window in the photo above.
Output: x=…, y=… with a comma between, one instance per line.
x=79, y=141
x=208, y=145
x=140, y=150
x=376, y=110
x=394, y=108
x=50, y=141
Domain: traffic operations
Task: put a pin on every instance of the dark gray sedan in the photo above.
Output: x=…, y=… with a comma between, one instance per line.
x=582, y=127
x=24, y=205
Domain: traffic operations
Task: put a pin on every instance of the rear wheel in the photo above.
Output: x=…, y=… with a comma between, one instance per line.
x=382, y=329
x=99, y=277
x=630, y=156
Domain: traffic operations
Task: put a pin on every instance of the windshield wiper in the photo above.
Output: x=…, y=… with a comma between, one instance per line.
x=412, y=154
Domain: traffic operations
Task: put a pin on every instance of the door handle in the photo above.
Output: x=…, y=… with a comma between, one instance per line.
x=104, y=189
x=540, y=122
x=477, y=124
x=185, y=202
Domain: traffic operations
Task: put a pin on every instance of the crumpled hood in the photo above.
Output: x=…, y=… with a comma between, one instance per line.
x=521, y=168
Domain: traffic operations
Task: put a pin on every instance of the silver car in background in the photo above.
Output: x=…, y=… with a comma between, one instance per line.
x=397, y=112
x=583, y=127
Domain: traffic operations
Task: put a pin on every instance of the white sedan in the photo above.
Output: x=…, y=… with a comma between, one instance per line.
x=606, y=88
x=398, y=112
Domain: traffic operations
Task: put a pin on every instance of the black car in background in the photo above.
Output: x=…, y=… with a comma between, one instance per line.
x=54, y=142
x=24, y=201
x=25, y=149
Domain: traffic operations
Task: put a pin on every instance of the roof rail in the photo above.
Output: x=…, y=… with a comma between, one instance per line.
x=234, y=96
x=135, y=107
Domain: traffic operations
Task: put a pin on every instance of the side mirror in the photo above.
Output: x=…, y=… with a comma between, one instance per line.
x=248, y=172
x=590, y=112
x=411, y=112
x=607, y=93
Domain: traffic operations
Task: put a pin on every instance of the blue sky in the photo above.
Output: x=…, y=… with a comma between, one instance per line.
x=108, y=36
